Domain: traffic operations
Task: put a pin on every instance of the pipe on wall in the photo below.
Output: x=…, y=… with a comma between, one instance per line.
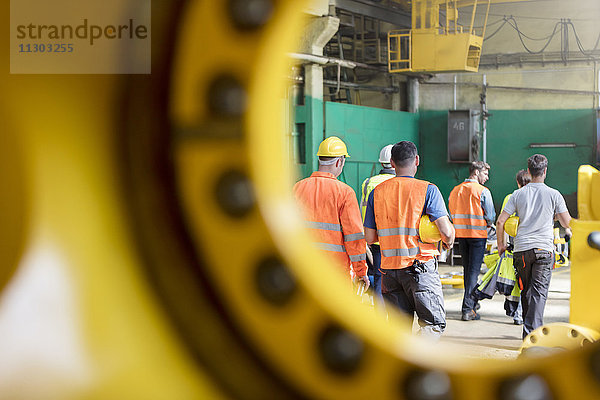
x=484, y=116
x=524, y=89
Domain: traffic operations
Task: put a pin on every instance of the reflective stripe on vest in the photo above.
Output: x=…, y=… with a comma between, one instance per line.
x=400, y=252
x=359, y=257
x=332, y=214
x=399, y=204
x=353, y=237
x=397, y=231
x=337, y=248
x=325, y=226
x=466, y=211
x=471, y=227
x=467, y=216
x=331, y=247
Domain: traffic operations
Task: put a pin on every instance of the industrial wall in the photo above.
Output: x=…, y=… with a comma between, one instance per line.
x=365, y=130
x=510, y=133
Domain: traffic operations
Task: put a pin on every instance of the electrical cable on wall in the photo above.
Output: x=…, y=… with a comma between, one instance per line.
x=579, y=45
x=563, y=23
x=496, y=31
x=562, y=26
x=511, y=20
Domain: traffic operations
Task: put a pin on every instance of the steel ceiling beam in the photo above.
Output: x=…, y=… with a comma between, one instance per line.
x=387, y=14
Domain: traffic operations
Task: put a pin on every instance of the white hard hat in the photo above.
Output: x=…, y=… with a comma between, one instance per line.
x=386, y=154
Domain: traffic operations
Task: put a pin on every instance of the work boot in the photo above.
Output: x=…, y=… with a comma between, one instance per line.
x=470, y=316
x=477, y=306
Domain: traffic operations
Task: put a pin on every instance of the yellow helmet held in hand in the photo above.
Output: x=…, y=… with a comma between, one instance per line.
x=511, y=225
x=428, y=231
x=332, y=147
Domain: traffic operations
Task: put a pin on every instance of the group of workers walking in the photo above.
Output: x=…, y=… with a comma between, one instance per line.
x=395, y=204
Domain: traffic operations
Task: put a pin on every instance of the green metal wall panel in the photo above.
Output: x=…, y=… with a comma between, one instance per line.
x=509, y=135
x=311, y=115
x=365, y=131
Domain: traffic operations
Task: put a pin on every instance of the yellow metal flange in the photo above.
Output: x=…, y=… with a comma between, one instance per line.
x=79, y=318
x=560, y=336
x=585, y=297
x=234, y=181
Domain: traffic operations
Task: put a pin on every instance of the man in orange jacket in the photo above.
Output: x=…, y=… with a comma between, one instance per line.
x=472, y=211
x=408, y=265
x=331, y=210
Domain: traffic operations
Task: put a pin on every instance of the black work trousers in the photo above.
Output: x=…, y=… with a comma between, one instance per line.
x=417, y=289
x=534, y=270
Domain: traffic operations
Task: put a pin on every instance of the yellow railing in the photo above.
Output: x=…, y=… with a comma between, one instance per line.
x=399, y=50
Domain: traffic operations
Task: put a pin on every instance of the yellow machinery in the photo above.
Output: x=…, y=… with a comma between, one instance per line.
x=584, y=323
x=558, y=336
x=152, y=250
x=585, y=295
x=432, y=46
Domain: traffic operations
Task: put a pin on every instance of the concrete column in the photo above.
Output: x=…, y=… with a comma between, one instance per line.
x=396, y=97
x=413, y=95
x=317, y=7
x=318, y=32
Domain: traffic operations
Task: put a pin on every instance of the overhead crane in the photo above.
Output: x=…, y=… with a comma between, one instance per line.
x=433, y=46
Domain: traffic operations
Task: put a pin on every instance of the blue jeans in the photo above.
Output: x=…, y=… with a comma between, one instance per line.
x=471, y=252
x=375, y=277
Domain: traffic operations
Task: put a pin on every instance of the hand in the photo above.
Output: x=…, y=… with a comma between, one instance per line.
x=501, y=248
x=363, y=284
x=366, y=280
x=568, y=234
x=447, y=246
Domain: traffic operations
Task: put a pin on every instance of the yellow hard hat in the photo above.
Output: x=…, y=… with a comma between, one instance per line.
x=511, y=225
x=428, y=231
x=332, y=147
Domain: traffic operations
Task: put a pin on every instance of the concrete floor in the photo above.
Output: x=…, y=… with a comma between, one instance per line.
x=495, y=335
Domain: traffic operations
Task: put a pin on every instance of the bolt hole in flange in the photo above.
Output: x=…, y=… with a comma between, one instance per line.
x=250, y=14
x=341, y=351
x=427, y=385
x=227, y=97
x=275, y=281
x=529, y=387
x=594, y=240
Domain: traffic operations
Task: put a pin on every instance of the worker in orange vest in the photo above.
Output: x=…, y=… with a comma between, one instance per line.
x=472, y=211
x=408, y=265
x=331, y=210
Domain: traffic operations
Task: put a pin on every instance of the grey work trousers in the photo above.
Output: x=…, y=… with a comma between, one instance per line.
x=534, y=270
x=417, y=289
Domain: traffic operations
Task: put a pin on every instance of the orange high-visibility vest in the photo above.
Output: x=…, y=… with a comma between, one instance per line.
x=398, y=206
x=331, y=211
x=466, y=212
